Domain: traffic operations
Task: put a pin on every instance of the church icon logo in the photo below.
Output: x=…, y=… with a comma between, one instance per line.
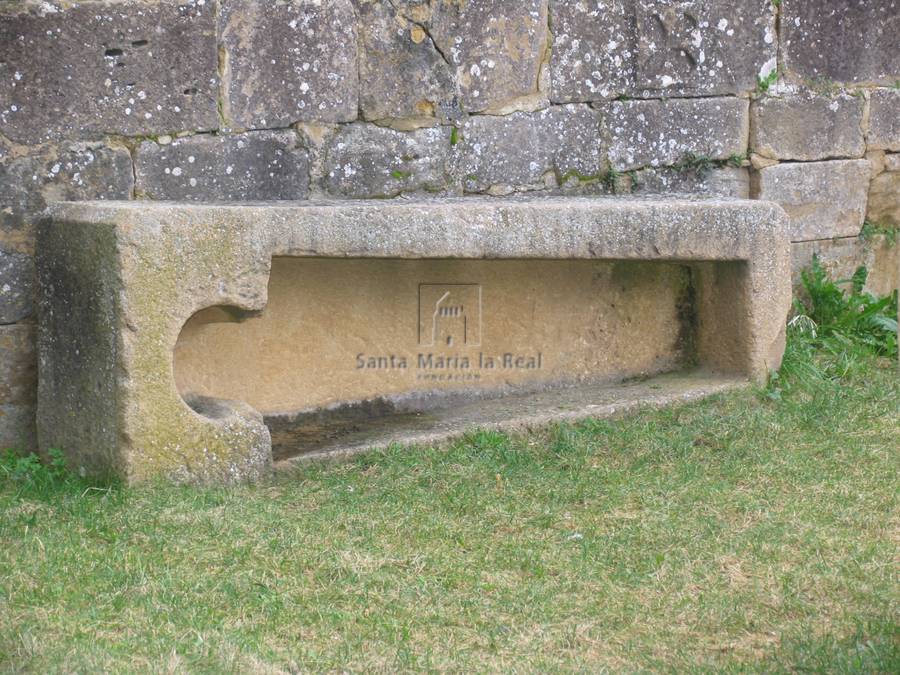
x=449, y=315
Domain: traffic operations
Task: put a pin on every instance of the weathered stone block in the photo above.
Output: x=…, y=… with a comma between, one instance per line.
x=16, y=286
x=470, y=291
x=659, y=133
x=884, y=198
x=365, y=161
x=259, y=165
x=518, y=151
x=403, y=76
x=17, y=427
x=808, y=127
x=71, y=172
x=289, y=62
x=823, y=199
x=475, y=56
x=703, y=47
x=884, y=120
x=852, y=42
x=18, y=387
x=606, y=48
x=594, y=50
x=842, y=257
x=733, y=182
x=131, y=67
x=496, y=46
x=18, y=364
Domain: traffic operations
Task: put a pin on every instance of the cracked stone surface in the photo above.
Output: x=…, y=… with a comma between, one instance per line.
x=851, y=42
x=397, y=51
x=289, y=62
x=822, y=199
x=659, y=133
x=366, y=161
x=259, y=165
x=518, y=151
x=81, y=70
x=603, y=49
x=492, y=52
x=807, y=127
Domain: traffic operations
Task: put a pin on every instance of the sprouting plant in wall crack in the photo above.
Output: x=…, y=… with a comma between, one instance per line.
x=870, y=230
x=764, y=83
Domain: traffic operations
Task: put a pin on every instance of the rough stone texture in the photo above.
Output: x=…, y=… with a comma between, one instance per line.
x=606, y=48
x=30, y=178
x=518, y=151
x=660, y=133
x=17, y=428
x=494, y=48
x=18, y=364
x=394, y=49
x=884, y=198
x=841, y=258
x=884, y=120
x=18, y=378
x=132, y=67
x=261, y=165
x=850, y=42
x=107, y=391
x=823, y=199
x=731, y=182
x=16, y=286
x=808, y=127
x=289, y=62
x=362, y=161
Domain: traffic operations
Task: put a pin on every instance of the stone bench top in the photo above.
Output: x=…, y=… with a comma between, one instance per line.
x=524, y=227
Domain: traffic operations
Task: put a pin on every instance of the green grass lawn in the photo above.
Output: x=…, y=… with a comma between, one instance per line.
x=755, y=531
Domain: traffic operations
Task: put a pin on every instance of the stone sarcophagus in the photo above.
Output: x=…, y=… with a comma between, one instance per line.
x=204, y=342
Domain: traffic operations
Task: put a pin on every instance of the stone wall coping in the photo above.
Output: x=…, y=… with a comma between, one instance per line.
x=527, y=227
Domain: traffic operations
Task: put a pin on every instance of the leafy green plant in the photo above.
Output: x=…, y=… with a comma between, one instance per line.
x=838, y=332
x=31, y=473
x=840, y=316
x=764, y=83
x=611, y=179
x=702, y=165
x=870, y=230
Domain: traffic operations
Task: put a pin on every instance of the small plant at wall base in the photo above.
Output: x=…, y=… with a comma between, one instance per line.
x=31, y=474
x=838, y=326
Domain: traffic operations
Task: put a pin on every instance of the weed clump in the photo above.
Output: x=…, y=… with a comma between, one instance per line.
x=837, y=329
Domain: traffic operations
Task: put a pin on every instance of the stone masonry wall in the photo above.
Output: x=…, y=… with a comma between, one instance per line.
x=797, y=101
